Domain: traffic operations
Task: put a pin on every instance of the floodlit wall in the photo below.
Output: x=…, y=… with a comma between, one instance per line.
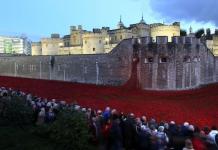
x=36, y=48
x=165, y=30
x=50, y=46
x=215, y=45
x=93, y=43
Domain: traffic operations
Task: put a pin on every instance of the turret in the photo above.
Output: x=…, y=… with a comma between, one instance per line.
x=120, y=24
x=142, y=20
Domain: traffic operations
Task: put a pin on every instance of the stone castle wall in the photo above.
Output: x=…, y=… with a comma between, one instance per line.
x=105, y=69
x=184, y=63
x=93, y=43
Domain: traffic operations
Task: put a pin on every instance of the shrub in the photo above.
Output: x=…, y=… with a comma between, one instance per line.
x=70, y=131
x=14, y=111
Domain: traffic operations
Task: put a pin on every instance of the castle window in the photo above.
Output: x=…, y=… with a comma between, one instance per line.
x=115, y=38
x=195, y=59
x=163, y=60
x=93, y=49
x=187, y=59
x=67, y=44
x=85, y=42
x=148, y=60
x=99, y=41
x=121, y=37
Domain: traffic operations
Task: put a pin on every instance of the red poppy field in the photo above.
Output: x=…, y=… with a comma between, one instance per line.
x=199, y=107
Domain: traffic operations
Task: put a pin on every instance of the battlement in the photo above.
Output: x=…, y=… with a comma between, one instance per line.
x=36, y=43
x=75, y=28
x=165, y=40
x=92, y=34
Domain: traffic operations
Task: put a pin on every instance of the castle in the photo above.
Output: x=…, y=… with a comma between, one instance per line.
x=100, y=40
x=183, y=63
x=151, y=57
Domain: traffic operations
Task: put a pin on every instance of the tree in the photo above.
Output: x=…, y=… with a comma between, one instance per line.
x=14, y=111
x=71, y=131
x=183, y=32
x=199, y=33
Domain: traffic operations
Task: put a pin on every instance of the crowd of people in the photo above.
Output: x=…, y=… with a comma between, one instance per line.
x=113, y=130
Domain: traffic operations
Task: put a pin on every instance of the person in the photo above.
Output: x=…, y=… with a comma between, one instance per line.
x=188, y=145
x=115, y=135
x=106, y=127
x=143, y=138
x=162, y=138
x=198, y=140
x=50, y=116
x=212, y=137
x=129, y=132
x=41, y=116
x=107, y=113
x=216, y=140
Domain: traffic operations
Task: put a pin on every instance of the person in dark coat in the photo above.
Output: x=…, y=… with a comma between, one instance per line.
x=143, y=139
x=115, y=135
x=129, y=132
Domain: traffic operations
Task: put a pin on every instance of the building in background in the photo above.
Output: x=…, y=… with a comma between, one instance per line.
x=212, y=41
x=15, y=45
x=103, y=40
x=165, y=30
x=215, y=43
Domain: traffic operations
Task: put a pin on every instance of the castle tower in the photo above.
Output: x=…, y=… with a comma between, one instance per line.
x=142, y=20
x=190, y=30
x=191, y=34
x=120, y=24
